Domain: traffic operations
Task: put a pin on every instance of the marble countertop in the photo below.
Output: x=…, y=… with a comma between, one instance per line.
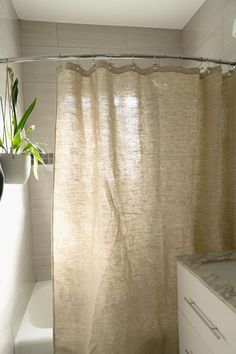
x=197, y=265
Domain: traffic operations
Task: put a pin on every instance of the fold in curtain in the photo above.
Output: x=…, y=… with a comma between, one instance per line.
x=144, y=171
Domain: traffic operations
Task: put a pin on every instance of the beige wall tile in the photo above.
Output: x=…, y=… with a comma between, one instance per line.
x=41, y=196
x=44, y=113
x=209, y=32
x=229, y=42
x=72, y=35
x=153, y=38
x=42, y=33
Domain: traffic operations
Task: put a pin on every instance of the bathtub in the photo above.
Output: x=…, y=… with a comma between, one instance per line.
x=35, y=335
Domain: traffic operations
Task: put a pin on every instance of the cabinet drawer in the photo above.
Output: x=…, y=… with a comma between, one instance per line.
x=189, y=341
x=210, y=317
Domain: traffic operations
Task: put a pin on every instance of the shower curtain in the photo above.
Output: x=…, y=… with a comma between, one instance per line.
x=144, y=171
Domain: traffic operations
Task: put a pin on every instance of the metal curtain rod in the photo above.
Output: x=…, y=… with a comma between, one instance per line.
x=112, y=56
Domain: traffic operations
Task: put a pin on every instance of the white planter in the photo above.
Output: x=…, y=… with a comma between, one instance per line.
x=1, y=181
x=16, y=168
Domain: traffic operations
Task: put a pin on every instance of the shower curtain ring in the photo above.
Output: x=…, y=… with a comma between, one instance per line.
x=60, y=61
x=94, y=61
x=78, y=62
x=201, y=62
x=109, y=61
x=229, y=72
x=221, y=64
x=208, y=70
x=133, y=63
x=155, y=65
x=181, y=63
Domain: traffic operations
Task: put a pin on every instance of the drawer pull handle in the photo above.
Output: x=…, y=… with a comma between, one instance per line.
x=196, y=309
x=187, y=352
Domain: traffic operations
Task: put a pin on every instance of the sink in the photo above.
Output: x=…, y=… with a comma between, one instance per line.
x=226, y=270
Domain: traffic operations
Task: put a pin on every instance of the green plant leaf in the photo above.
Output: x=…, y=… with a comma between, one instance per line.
x=17, y=141
x=36, y=154
x=15, y=93
x=40, y=150
x=9, y=137
x=30, y=130
x=26, y=115
x=14, y=97
x=2, y=145
x=27, y=147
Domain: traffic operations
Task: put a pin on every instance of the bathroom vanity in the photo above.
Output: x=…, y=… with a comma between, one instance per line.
x=207, y=303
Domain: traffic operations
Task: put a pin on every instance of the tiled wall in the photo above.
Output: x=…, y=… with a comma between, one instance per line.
x=16, y=261
x=39, y=78
x=209, y=32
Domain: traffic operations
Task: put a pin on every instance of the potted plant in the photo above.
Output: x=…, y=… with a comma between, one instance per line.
x=17, y=148
x=1, y=181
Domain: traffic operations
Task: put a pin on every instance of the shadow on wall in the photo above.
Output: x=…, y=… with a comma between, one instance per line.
x=152, y=346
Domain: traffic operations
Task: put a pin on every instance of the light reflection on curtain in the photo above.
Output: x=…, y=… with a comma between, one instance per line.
x=140, y=177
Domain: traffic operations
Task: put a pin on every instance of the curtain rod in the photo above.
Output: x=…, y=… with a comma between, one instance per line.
x=112, y=56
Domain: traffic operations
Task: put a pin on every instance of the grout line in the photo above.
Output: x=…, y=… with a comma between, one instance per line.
x=57, y=35
x=48, y=159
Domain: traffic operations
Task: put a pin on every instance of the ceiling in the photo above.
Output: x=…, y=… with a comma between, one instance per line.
x=140, y=13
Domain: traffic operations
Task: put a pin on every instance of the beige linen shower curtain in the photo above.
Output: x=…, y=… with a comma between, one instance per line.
x=142, y=163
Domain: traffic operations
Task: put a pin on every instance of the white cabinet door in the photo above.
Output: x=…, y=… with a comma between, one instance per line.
x=189, y=340
x=210, y=317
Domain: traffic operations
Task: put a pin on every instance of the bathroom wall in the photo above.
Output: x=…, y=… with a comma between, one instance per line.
x=16, y=275
x=209, y=32
x=38, y=38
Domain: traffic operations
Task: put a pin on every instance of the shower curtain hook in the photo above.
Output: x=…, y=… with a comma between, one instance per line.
x=133, y=63
x=181, y=63
x=109, y=61
x=94, y=61
x=60, y=61
x=208, y=70
x=229, y=70
x=201, y=62
x=155, y=65
x=78, y=62
x=221, y=64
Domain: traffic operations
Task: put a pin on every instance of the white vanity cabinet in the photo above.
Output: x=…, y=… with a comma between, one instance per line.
x=206, y=323
x=190, y=341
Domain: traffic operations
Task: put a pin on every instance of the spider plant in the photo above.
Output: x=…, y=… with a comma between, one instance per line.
x=16, y=135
